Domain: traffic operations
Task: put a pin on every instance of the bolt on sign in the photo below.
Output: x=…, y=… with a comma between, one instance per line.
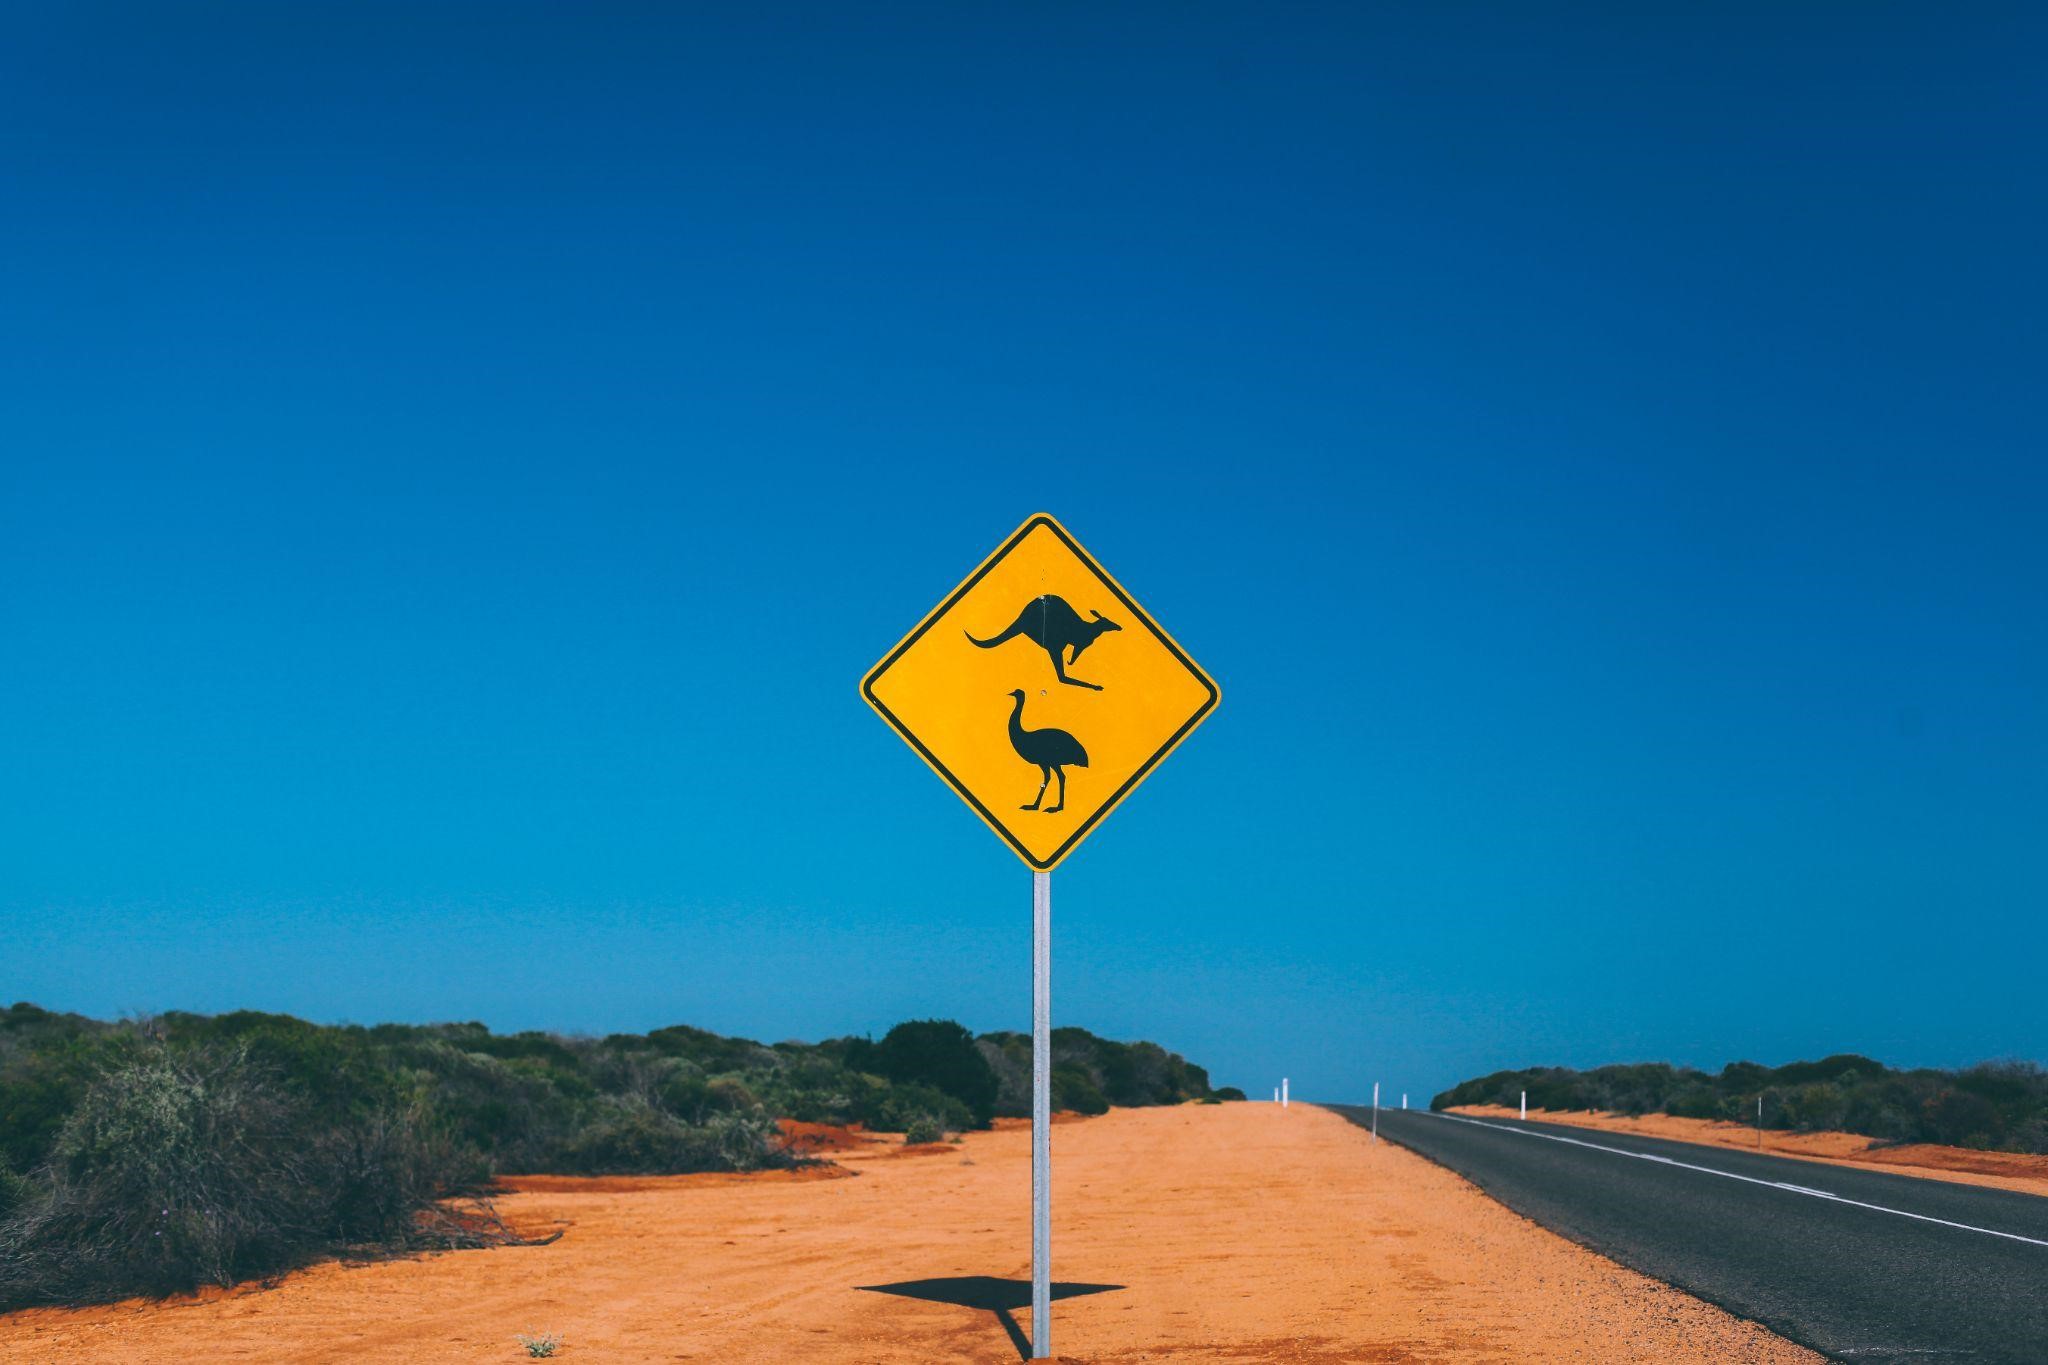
x=1041, y=692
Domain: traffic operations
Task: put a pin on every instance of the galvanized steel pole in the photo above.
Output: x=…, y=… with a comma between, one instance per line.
x=1041, y=1113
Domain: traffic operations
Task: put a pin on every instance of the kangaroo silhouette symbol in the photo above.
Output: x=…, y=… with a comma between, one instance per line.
x=1059, y=630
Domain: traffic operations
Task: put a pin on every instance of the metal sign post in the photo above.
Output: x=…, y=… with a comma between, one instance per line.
x=1041, y=1113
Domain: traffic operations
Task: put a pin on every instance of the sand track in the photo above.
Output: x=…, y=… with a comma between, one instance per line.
x=1233, y=1234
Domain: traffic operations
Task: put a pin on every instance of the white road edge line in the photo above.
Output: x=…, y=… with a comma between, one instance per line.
x=1746, y=1179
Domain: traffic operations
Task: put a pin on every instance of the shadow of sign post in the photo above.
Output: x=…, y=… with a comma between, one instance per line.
x=1000, y=1297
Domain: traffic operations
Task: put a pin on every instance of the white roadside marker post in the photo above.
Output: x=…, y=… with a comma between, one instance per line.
x=1375, y=1111
x=1525, y=1106
x=1041, y=1113
x=1283, y=1092
x=1404, y=1099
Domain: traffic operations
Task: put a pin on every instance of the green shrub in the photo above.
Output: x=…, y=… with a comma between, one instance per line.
x=1073, y=1088
x=504, y=1117
x=728, y=1095
x=941, y=1054
x=1959, y=1118
x=1009, y=1057
x=924, y=1128
x=1695, y=1102
x=198, y=1166
x=633, y=1137
x=14, y=1189
x=43, y=1084
x=902, y=1105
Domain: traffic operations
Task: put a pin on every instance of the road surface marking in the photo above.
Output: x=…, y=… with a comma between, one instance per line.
x=1746, y=1179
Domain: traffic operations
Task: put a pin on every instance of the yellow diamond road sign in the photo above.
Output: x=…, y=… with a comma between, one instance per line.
x=1041, y=692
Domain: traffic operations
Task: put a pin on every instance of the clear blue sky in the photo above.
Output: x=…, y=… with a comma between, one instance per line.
x=457, y=467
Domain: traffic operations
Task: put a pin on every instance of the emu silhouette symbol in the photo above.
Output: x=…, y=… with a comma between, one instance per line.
x=1054, y=751
x=1057, y=629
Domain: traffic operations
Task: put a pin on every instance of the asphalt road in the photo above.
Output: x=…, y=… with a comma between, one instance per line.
x=1911, y=1270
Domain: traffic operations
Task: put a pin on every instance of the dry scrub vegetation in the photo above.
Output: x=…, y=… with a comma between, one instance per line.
x=1994, y=1106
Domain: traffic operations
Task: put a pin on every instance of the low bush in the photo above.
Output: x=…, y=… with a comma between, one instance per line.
x=942, y=1055
x=1074, y=1088
x=198, y=1166
x=902, y=1105
x=630, y=1136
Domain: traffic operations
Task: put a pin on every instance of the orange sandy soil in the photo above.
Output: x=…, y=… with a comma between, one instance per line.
x=2001, y=1170
x=1237, y=1233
